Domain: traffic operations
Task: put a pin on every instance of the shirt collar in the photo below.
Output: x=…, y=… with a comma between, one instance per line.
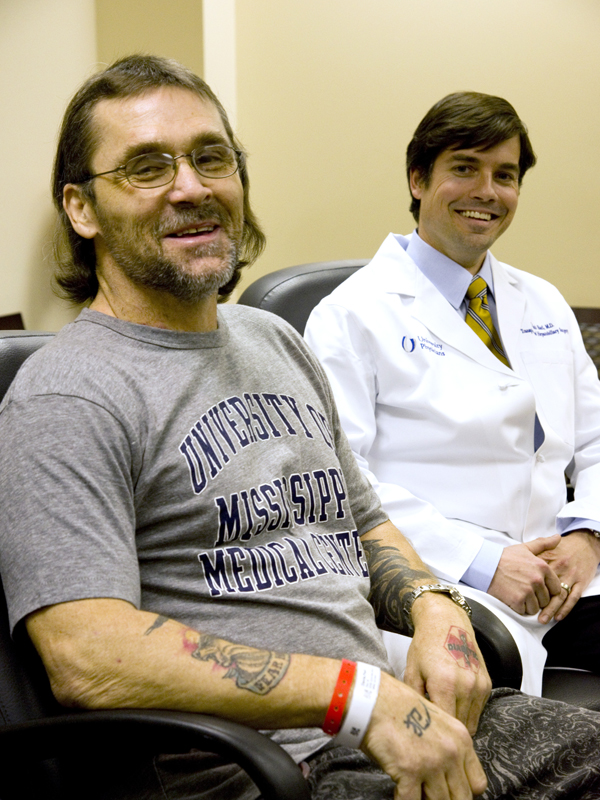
x=448, y=277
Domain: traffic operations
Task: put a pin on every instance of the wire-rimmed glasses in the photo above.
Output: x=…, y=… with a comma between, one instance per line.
x=150, y=170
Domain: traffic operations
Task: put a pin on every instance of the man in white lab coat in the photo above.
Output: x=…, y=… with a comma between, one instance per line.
x=465, y=405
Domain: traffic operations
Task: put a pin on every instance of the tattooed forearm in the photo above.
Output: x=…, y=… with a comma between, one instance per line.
x=391, y=578
x=160, y=620
x=417, y=721
x=256, y=670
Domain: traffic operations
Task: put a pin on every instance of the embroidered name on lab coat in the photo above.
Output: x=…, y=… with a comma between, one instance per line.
x=549, y=329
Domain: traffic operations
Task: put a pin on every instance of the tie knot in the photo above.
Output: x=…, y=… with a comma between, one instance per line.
x=477, y=288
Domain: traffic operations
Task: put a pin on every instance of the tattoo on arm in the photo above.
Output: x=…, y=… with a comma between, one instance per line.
x=417, y=721
x=160, y=620
x=258, y=671
x=391, y=578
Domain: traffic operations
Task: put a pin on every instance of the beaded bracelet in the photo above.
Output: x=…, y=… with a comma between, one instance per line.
x=335, y=712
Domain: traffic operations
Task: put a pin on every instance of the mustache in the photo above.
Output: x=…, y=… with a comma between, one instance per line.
x=191, y=217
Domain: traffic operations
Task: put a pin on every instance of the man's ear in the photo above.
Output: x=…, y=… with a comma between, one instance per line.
x=417, y=183
x=80, y=211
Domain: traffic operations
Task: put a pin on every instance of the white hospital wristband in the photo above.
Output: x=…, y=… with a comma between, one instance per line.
x=358, y=715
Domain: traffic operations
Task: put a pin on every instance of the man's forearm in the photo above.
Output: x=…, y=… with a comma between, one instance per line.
x=444, y=661
x=395, y=570
x=104, y=653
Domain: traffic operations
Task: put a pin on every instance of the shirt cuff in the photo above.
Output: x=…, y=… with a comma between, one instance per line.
x=575, y=523
x=481, y=570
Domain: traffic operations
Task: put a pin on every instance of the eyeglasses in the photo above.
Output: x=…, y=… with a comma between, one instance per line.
x=158, y=169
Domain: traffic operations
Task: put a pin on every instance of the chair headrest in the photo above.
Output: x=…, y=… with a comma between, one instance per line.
x=293, y=292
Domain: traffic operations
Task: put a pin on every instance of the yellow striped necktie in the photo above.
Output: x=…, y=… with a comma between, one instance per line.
x=479, y=318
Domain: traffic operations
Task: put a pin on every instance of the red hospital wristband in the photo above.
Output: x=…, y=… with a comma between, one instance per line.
x=335, y=712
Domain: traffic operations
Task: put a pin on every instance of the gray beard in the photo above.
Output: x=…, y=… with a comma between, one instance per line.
x=152, y=270
x=162, y=275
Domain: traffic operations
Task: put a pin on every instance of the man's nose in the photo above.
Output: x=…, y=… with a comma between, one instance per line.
x=484, y=187
x=189, y=186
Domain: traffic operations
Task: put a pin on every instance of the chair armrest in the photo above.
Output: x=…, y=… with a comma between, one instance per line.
x=572, y=686
x=158, y=731
x=499, y=649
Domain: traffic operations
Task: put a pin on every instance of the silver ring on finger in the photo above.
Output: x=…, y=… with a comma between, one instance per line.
x=567, y=588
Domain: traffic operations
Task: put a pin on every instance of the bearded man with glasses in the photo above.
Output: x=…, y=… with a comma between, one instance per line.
x=184, y=525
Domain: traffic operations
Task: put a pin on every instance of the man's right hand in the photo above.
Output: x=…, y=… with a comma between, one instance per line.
x=525, y=582
x=426, y=752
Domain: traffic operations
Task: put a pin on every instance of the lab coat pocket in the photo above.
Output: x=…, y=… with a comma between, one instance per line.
x=552, y=378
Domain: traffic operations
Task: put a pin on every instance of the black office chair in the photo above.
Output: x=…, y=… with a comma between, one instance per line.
x=35, y=729
x=292, y=293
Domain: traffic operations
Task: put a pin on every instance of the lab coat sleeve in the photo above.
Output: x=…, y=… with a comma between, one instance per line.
x=342, y=344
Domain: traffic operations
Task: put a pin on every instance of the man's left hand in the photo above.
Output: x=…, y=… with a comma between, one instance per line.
x=575, y=560
x=444, y=662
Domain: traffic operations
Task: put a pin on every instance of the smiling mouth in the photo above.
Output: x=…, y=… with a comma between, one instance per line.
x=484, y=215
x=199, y=230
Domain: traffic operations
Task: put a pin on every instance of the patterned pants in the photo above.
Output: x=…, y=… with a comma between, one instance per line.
x=529, y=748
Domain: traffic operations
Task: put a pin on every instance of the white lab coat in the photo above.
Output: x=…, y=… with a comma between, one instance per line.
x=445, y=431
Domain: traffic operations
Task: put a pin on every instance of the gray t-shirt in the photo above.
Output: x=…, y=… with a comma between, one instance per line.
x=203, y=476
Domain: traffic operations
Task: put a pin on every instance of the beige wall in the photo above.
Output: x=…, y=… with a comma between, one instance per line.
x=330, y=91
x=328, y=94
x=170, y=28
x=46, y=50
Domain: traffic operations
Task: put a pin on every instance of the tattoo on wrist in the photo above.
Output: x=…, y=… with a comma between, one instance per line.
x=462, y=649
x=417, y=721
x=258, y=671
x=160, y=620
x=391, y=578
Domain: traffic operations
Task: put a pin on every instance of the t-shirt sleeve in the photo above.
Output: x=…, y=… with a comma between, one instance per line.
x=67, y=528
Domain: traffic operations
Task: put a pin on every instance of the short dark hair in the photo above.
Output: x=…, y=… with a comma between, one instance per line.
x=465, y=120
x=75, y=275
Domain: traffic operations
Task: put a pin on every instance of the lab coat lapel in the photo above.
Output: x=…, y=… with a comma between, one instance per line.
x=510, y=307
x=433, y=310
